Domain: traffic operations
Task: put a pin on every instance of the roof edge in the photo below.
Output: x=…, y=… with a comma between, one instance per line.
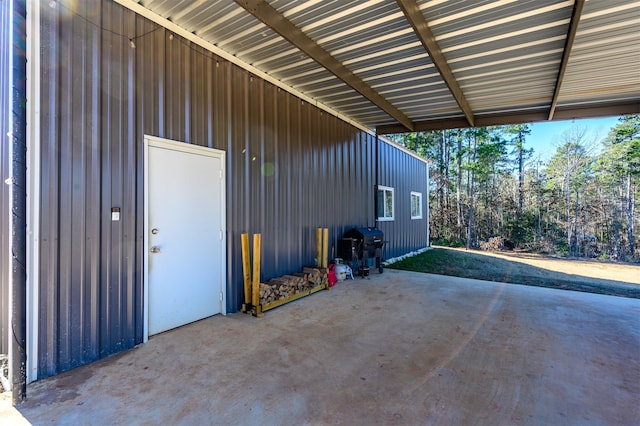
x=563, y=113
x=404, y=149
x=178, y=30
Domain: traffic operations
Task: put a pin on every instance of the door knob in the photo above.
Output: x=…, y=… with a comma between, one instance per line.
x=154, y=249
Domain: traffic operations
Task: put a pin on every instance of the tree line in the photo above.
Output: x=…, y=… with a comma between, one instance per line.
x=490, y=190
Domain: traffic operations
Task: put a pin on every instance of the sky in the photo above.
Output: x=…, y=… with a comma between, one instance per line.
x=546, y=136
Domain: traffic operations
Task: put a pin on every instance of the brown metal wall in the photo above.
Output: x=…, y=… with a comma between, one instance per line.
x=5, y=264
x=290, y=169
x=404, y=173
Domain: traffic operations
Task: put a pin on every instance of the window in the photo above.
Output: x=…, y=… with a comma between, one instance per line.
x=416, y=205
x=385, y=203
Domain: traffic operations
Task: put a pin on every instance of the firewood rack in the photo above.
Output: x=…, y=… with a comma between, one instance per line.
x=260, y=297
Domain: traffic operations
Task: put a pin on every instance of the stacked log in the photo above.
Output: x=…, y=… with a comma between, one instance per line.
x=315, y=276
x=286, y=286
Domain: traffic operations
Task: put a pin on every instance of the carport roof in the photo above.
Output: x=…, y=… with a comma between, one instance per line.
x=420, y=65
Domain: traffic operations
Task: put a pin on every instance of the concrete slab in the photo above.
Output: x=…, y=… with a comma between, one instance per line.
x=398, y=348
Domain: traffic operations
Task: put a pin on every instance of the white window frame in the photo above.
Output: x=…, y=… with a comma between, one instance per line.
x=419, y=195
x=387, y=189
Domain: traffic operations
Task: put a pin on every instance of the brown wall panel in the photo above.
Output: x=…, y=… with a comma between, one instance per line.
x=290, y=168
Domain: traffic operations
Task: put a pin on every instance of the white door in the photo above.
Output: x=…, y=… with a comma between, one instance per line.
x=185, y=251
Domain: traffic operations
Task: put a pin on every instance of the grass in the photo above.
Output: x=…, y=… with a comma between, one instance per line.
x=456, y=263
x=476, y=265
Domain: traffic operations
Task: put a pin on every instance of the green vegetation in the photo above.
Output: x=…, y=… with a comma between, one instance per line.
x=486, y=184
x=475, y=265
x=447, y=262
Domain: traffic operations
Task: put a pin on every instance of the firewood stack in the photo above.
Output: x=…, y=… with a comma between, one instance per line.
x=283, y=287
x=260, y=297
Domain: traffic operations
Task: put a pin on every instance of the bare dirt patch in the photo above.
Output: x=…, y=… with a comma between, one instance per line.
x=624, y=272
x=618, y=279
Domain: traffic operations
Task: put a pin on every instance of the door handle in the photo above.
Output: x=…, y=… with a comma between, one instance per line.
x=154, y=249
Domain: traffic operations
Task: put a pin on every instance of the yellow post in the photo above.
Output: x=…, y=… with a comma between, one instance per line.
x=325, y=247
x=319, y=247
x=256, y=270
x=246, y=269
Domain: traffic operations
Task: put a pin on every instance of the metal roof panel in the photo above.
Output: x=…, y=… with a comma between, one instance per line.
x=605, y=60
x=504, y=54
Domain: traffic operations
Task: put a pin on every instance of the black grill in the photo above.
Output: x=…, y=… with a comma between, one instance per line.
x=361, y=244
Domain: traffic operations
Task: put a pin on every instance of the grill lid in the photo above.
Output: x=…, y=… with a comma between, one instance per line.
x=368, y=235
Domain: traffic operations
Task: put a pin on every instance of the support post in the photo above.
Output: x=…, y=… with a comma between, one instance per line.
x=318, y=247
x=255, y=300
x=325, y=247
x=246, y=270
x=18, y=196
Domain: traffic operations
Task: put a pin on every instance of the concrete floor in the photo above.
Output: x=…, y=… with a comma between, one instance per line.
x=398, y=348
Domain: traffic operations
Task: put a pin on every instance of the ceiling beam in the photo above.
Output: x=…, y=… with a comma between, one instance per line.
x=278, y=23
x=568, y=45
x=191, y=37
x=423, y=31
x=574, y=113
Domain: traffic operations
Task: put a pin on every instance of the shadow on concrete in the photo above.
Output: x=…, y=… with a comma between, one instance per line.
x=398, y=348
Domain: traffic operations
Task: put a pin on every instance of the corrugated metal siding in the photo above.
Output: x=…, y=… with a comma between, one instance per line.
x=230, y=28
x=404, y=173
x=504, y=54
x=90, y=290
x=501, y=55
x=290, y=168
x=365, y=37
x=5, y=263
x=605, y=59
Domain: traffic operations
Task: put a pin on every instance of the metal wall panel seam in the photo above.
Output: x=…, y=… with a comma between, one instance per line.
x=132, y=165
x=50, y=176
x=92, y=271
x=187, y=64
x=234, y=168
x=64, y=225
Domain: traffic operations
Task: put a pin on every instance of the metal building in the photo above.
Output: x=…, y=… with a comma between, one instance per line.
x=289, y=167
x=281, y=102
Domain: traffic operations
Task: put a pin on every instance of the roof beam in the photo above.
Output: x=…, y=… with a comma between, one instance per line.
x=577, y=112
x=568, y=45
x=415, y=17
x=278, y=23
x=191, y=37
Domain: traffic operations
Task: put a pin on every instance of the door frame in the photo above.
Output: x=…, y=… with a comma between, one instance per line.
x=154, y=141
